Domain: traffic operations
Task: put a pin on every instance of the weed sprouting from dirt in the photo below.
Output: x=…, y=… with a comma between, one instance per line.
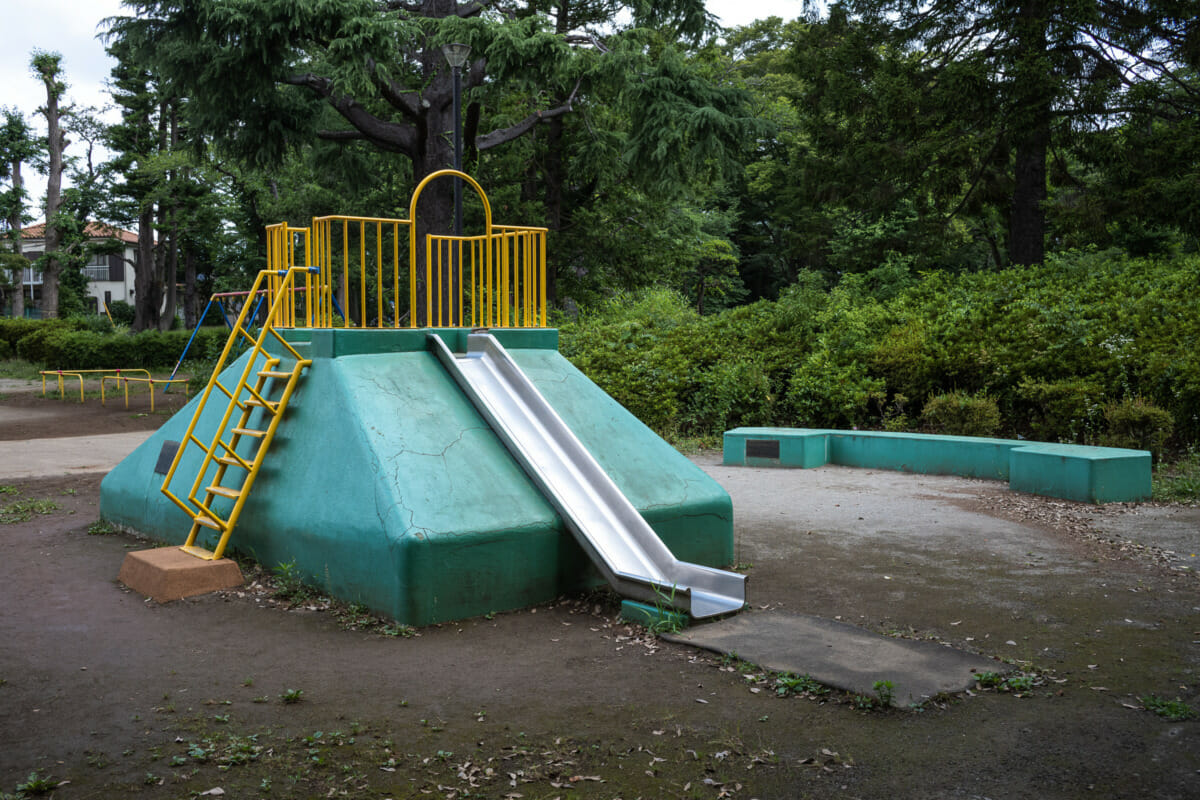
x=36, y=784
x=1019, y=684
x=23, y=510
x=101, y=528
x=292, y=696
x=289, y=583
x=1174, y=710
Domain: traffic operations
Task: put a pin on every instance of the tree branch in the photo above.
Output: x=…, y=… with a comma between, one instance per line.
x=586, y=38
x=395, y=95
x=498, y=137
x=385, y=135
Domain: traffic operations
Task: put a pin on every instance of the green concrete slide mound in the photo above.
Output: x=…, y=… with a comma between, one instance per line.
x=385, y=487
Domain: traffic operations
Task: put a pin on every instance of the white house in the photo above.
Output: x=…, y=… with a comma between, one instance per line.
x=110, y=277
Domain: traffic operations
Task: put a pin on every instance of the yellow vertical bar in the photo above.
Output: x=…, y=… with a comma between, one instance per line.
x=327, y=273
x=458, y=245
x=437, y=271
x=477, y=274
x=504, y=264
x=429, y=281
x=542, y=268
x=378, y=274
x=395, y=274
x=308, y=284
x=412, y=274
x=345, y=272
x=362, y=274
x=526, y=294
x=518, y=286
x=493, y=281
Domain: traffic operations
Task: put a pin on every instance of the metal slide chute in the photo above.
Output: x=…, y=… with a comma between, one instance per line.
x=619, y=541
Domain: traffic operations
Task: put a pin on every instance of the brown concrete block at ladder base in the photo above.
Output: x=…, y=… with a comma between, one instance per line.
x=168, y=573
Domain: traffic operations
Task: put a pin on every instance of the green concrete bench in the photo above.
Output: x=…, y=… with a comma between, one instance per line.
x=1069, y=471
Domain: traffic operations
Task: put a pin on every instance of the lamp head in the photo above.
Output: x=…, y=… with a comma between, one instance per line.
x=456, y=53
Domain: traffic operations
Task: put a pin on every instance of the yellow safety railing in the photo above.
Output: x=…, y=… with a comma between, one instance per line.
x=254, y=405
x=150, y=382
x=366, y=271
x=79, y=374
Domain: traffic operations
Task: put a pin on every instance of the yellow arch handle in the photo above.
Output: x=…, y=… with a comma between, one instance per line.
x=442, y=173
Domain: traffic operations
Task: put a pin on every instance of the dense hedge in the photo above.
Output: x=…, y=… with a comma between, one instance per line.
x=70, y=344
x=1090, y=347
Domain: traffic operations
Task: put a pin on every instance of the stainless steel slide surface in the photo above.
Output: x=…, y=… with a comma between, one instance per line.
x=621, y=544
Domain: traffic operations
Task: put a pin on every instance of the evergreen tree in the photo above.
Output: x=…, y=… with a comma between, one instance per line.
x=265, y=75
x=18, y=146
x=1054, y=70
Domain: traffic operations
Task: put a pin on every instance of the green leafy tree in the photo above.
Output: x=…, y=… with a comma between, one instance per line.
x=1047, y=71
x=18, y=147
x=263, y=77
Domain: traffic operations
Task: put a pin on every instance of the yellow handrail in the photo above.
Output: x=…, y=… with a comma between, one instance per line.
x=493, y=278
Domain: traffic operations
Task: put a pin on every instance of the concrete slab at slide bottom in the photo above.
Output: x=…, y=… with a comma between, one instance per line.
x=840, y=655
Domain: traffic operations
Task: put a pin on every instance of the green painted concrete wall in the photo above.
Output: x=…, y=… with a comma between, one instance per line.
x=1073, y=472
x=386, y=487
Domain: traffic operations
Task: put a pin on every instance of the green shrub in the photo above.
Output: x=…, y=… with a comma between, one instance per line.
x=13, y=329
x=961, y=414
x=1069, y=410
x=1137, y=424
x=825, y=394
x=56, y=347
x=122, y=313
x=728, y=395
x=1050, y=345
x=96, y=323
x=5, y=350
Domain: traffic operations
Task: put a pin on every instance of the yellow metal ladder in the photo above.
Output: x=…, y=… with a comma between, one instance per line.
x=255, y=405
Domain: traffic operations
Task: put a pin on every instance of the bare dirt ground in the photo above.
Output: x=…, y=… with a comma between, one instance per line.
x=111, y=696
x=26, y=414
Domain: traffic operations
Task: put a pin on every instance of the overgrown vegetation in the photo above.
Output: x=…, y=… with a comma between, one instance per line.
x=1091, y=347
x=75, y=344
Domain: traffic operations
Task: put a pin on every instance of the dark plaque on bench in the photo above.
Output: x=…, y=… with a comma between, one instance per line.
x=762, y=448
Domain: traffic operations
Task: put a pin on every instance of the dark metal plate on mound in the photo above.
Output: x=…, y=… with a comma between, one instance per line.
x=166, y=456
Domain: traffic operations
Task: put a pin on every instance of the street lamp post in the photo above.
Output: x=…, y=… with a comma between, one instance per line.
x=456, y=54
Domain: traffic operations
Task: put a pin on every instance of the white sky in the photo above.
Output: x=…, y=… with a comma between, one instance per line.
x=69, y=27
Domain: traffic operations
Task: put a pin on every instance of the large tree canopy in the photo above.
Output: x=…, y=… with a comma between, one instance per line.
x=1050, y=73
x=263, y=74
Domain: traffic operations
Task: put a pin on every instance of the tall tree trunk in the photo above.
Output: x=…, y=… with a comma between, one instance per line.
x=146, y=298
x=14, y=225
x=56, y=146
x=171, y=265
x=191, y=300
x=555, y=179
x=1033, y=96
x=435, y=151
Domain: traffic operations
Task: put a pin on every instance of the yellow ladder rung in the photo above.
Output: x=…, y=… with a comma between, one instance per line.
x=274, y=373
x=225, y=491
x=209, y=522
x=229, y=461
x=255, y=432
x=267, y=404
x=198, y=552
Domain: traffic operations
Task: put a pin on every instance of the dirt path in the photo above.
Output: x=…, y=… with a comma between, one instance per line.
x=126, y=698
